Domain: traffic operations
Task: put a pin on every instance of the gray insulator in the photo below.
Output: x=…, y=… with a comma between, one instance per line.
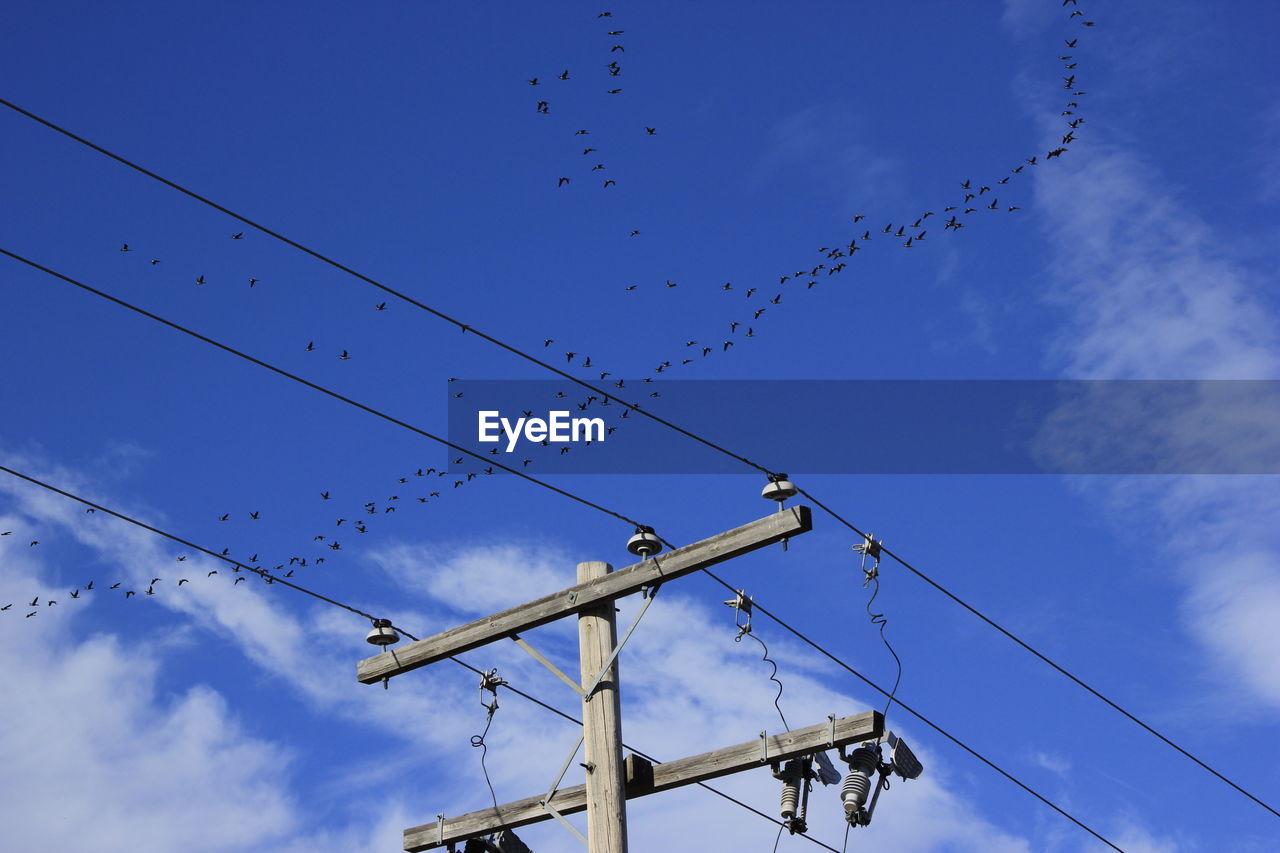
x=857, y=785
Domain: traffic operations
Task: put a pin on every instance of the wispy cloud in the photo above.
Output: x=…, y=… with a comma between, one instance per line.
x=1147, y=289
x=829, y=146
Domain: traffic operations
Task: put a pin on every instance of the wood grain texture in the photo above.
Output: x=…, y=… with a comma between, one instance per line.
x=724, y=546
x=602, y=723
x=673, y=774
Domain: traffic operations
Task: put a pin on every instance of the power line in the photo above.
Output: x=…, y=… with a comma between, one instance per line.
x=1043, y=657
x=585, y=384
x=326, y=599
x=314, y=386
x=1014, y=779
x=239, y=565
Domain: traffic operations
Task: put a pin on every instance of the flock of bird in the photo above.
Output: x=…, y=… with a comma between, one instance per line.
x=612, y=78
x=430, y=484
x=746, y=319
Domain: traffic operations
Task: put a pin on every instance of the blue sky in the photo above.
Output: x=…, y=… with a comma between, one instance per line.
x=404, y=140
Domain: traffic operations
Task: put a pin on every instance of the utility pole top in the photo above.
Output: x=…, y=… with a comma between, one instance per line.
x=654, y=570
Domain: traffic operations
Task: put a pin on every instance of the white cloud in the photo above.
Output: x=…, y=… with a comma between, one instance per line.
x=93, y=750
x=1149, y=290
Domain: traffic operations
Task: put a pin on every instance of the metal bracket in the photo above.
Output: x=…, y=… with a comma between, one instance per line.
x=559, y=673
x=589, y=691
x=440, y=827
x=595, y=682
x=555, y=814
x=831, y=730
x=764, y=748
x=551, y=792
x=545, y=802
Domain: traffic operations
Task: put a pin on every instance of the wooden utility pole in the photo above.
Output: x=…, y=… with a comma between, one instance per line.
x=610, y=781
x=602, y=722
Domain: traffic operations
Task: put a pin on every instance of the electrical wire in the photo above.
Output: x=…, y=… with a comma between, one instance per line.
x=1043, y=657
x=879, y=619
x=872, y=547
x=239, y=565
x=830, y=656
x=773, y=676
x=633, y=406
x=488, y=681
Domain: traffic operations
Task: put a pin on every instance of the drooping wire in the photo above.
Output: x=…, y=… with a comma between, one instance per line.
x=741, y=604
x=773, y=676
x=490, y=681
x=871, y=547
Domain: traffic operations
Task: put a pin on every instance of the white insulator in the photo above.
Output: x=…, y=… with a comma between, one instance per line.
x=382, y=634
x=644, y=543
x=790, y=798
x=857, y=785
x=779, y=489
